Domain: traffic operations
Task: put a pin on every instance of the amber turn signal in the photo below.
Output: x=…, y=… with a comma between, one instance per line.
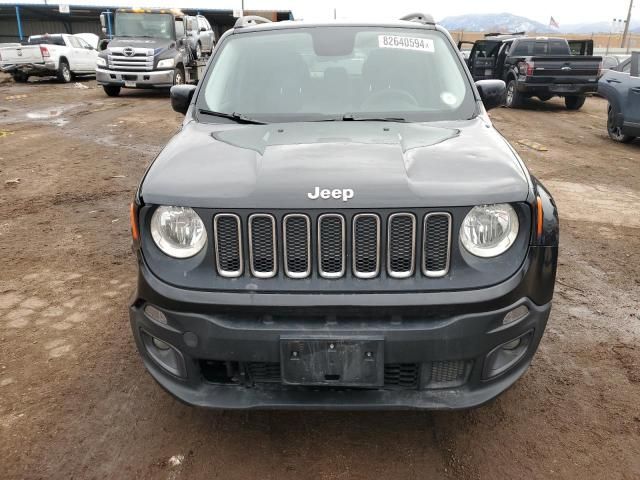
x=135, y=233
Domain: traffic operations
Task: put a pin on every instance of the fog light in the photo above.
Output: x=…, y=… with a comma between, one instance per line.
x=512, y=345
x=516, y=314
x=506, y=356
x=160, y=345
x=154, y=314
x=164, y=354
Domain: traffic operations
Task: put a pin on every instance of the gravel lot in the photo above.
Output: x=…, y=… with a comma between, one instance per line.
x=76, y=402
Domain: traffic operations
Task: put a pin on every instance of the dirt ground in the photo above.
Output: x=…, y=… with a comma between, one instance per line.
x=76, y=402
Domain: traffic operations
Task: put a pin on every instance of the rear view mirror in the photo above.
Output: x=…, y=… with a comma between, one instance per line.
x=492, y=93
x=181, y=96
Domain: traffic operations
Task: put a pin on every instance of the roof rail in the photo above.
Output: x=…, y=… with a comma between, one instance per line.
x=423, y=18
x=250, y=20
x=498, y=34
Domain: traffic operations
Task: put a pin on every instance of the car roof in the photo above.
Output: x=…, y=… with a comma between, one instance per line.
x=295, y=24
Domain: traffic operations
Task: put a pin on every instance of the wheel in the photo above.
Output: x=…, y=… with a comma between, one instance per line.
x=615, y=131
x=198, y=51
x=514, y=98
x=20, y=77
x=64, y=72
x=111, y=90
x=178, y=76
x=574, y=102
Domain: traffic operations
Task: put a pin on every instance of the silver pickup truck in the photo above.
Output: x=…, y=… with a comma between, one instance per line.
x=61, y=55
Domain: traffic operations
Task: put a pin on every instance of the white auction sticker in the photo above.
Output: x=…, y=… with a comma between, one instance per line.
x=406, y=43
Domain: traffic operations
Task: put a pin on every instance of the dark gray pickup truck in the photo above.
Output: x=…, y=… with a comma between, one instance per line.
x=621, y=87
x=338, y=225
x=537, y=67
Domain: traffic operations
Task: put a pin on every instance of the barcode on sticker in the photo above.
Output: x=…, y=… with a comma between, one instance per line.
x=406, y=43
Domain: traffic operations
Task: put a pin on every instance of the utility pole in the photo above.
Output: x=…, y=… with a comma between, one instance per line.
x=627, y=25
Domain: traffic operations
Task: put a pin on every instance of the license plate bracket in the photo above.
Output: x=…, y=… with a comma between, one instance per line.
x=130, y=83
x=337, y=361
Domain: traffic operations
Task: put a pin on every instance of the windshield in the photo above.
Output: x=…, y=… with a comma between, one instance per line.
x=153, y=25
x=333, y=72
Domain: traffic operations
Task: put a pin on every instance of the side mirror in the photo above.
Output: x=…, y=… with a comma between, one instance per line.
x=181, y=96
x=203, y=29
x=103, y=21
x=492, y=93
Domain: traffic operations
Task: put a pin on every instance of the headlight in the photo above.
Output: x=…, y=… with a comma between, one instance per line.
x=168, y=63
x=489, y=230
x=101, y=62
x=178, y=231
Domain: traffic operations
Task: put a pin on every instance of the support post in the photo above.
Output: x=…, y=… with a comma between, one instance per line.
x=19, y=23
x=627, y=25
x=109, y=24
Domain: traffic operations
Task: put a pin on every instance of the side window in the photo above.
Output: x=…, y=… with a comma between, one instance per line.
x=73, y=41
x=82, y=43
x=179, y=28
x=523, y=49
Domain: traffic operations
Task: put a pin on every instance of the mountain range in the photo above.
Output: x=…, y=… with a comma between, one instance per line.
x=507, y=22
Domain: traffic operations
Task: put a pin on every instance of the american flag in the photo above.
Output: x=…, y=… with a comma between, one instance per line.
x=553, y=23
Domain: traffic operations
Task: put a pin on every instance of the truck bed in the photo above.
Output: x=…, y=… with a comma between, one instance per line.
x=22, y=55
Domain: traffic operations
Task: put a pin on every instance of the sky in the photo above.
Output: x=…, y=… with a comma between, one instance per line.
x=564, y=11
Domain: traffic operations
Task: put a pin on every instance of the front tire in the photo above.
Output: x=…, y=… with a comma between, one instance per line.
x=615, y=131
x=111, y=90
x=64, y=72
x=574, y=102
x=178, y=76
x=514, y=99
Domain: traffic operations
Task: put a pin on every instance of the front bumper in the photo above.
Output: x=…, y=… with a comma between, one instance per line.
x=450, y=332
x=150, y=79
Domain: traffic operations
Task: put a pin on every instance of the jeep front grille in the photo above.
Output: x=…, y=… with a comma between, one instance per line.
x=332, y=245
x=228, y=241
x=437, y=244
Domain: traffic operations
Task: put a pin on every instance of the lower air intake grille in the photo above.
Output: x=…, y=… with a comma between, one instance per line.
x=404, y=375
x=448, y=372
x=437, y=240
x=264, y=372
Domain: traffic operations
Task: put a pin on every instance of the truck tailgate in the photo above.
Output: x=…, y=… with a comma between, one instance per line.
x=21, y=55
x=566, y=68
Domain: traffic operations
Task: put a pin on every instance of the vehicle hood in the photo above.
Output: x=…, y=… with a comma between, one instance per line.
x=387, y=165
x=157, y=44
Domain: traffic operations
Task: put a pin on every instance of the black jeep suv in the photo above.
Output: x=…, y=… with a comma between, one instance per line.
x=339, y=225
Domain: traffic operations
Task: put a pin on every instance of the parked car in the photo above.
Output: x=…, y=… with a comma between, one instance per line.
x=61, y=55
x=614, y=62
x=314, y=238
x=206, y=37
x=621, y=88
x=537, y=67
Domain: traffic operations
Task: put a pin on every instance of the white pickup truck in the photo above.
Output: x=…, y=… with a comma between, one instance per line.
x=61, y=55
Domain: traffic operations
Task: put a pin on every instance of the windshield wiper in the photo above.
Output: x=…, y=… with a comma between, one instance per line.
x=237, y=117
x=349, y=117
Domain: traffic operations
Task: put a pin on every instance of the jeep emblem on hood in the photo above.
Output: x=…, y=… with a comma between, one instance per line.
x=345, y=194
